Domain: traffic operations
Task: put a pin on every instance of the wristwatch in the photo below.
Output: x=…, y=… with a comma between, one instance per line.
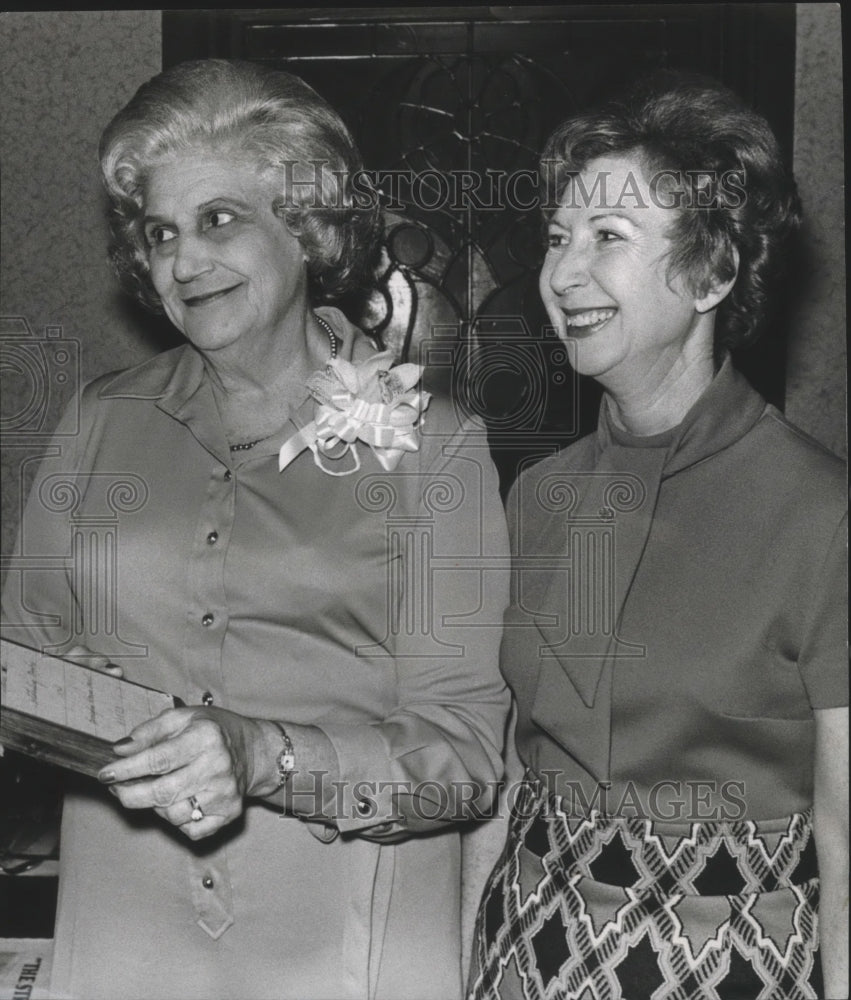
x=286, y=758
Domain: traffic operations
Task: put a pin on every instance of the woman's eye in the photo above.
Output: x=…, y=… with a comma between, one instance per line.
x=158, y=235
x=219, y=218
x=555, y=240
x=608, y=236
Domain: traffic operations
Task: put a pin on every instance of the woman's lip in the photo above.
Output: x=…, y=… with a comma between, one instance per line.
x=578, y=311
x=202, y=300
x=598, y=316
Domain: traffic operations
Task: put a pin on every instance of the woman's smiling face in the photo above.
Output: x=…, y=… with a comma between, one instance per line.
x=605, y=281
x=224, y=264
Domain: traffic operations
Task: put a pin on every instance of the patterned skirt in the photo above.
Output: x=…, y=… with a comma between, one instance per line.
x=621, y=908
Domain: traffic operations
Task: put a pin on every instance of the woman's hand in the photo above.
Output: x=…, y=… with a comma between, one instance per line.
x=94, y=661
x=200, y=761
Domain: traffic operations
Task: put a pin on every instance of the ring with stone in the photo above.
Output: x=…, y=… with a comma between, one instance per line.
x=197, y=811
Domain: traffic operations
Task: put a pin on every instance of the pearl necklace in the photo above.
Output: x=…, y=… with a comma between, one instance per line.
x=332, y=339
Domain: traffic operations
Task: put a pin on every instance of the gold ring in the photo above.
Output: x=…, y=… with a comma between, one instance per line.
x=197, y=811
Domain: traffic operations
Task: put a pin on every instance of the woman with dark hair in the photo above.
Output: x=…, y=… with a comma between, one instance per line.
x=280, y=488
x=676, y=635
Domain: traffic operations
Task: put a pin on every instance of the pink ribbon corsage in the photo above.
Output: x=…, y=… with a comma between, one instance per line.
x=372, y=402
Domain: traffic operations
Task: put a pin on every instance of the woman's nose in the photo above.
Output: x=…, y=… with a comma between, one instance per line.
x=570, y=269
x=191, y=258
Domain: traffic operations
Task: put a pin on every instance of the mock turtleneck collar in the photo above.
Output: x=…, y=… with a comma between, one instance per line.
x=621, y=479
x=725, y=412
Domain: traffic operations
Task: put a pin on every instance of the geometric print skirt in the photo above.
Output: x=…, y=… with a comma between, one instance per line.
x=620, y=908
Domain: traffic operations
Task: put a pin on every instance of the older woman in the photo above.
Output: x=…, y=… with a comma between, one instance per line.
x=263, y=842
x=676, y=637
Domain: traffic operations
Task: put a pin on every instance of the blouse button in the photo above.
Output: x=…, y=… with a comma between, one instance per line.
x=212, y=538
x=207, y=882
x=228, y=475
x=206, y=698
x=207, y=620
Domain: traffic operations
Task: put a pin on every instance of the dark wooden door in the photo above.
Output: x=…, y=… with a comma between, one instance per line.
x=450, y=107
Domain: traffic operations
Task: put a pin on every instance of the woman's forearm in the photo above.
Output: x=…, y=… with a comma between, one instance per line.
x=830, y=823
x=316, y=767
x=833, y=926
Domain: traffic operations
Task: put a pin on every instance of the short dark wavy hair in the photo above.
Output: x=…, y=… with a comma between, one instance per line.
x=244, y=108
x=701, y=132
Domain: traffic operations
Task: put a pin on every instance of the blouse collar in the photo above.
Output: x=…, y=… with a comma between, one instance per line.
x=724, y=413
x=178, y=383
x=621, y=480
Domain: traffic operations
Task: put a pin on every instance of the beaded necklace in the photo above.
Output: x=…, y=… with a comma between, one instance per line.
x=332, y=339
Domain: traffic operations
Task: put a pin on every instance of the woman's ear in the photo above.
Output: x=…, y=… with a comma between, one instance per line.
x=285, y=214
x=716, y=289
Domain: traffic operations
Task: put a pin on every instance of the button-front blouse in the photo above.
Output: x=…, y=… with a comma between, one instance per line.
x=369, y=605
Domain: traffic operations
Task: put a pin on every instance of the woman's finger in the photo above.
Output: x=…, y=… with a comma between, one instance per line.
x=167, y=724
x=181, y=817
x=168, y=791
x=202, y=814
x=205, y=828
x=192, y=809
x=197, y=760
x=197, y=742
x=203, y=777
x=94, y=661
